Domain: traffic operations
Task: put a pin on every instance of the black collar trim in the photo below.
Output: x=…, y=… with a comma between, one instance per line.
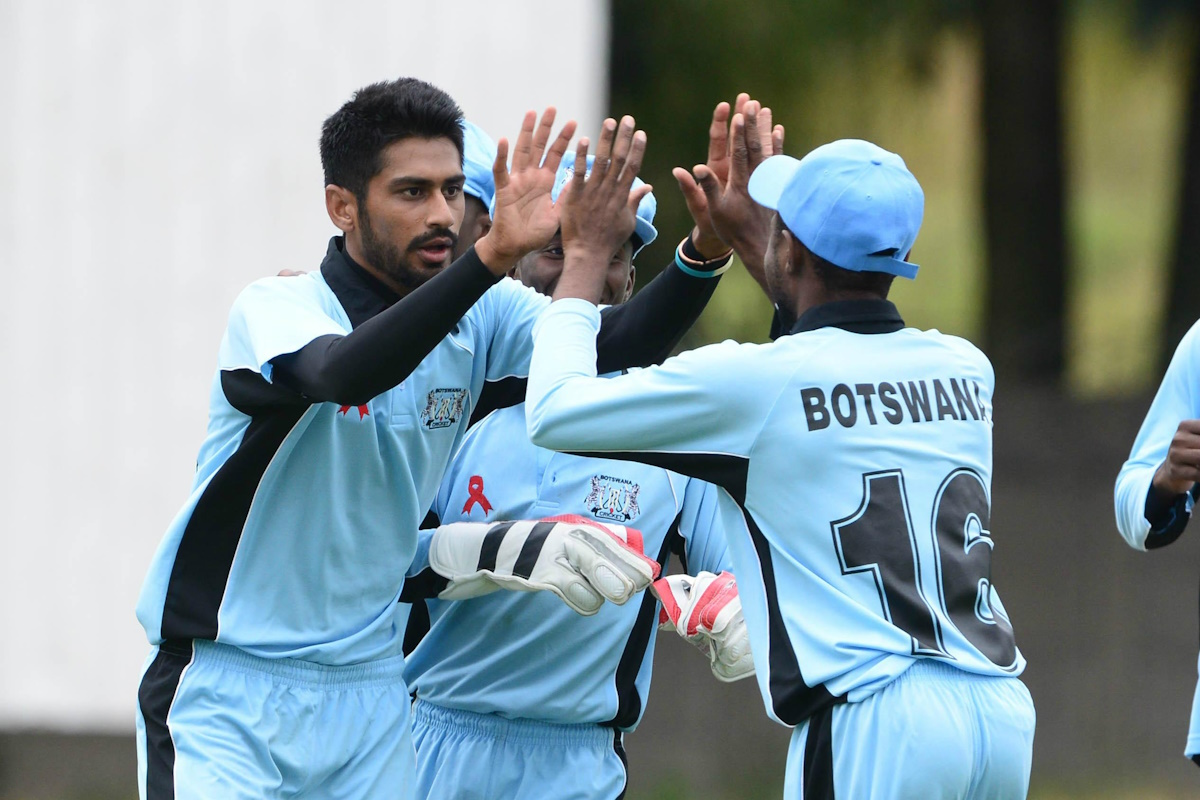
x=856, y=316
x=361, y=294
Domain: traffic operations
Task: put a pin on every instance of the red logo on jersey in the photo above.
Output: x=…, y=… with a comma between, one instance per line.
x=475, y=489
x=362, y=411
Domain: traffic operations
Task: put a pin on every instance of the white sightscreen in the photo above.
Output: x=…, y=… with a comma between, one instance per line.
x=155, y=158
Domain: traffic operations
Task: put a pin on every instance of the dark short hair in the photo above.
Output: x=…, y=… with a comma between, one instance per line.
x=353, y=138
x=838, y=279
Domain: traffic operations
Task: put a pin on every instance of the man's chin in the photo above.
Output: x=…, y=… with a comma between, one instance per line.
x=412, y=274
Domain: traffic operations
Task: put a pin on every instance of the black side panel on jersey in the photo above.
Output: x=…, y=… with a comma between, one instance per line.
x=817, y=775
x=155, y=696
x=629, y=702
x=431, y=584
x=210, y=539
x=791, y=697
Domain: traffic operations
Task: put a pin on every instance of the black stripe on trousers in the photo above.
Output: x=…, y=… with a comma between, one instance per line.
x=619, y=749
x=155, y=696
x=817, y=775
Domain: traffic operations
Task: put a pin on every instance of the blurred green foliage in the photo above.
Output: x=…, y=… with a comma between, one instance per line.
x=907, y=76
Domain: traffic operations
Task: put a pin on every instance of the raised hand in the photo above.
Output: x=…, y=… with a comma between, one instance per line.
x=1181, y=468
x=524, y=218
x=717, y=191
x=598, y=214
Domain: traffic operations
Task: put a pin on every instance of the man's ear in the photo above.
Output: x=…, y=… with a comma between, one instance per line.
x=794, y=253
x=485, y=226
x=342, y=206
x=629, y=283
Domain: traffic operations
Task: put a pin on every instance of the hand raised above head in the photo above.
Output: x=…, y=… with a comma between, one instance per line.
x=524, y=217
x=598, y=210
x=717, y=193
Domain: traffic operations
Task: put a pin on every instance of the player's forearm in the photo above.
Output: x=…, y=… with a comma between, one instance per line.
x=384, y=350
x=645, y=330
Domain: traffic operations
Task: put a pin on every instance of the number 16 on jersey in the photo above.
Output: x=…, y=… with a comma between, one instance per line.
x=878, y=538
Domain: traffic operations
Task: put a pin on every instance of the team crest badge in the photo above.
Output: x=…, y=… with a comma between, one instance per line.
x=443, y=408
x=613, y=499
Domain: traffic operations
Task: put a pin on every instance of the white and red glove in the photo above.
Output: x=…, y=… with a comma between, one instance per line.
x=581, y=561
x=707, y=611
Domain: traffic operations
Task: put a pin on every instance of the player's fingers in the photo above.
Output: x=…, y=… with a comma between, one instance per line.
x=578, y=174
x=622, y=146
x=718, y=134
x=524, y=146
x=693, y=196
x=637, y=195
x=739, y=158
x=608, y=132
x=633, y=164
x=708, y=183
x=739, y=103
x=753, y=141
x=777, y=141
x=1190, y=426
x=559, y=146
x=765, y=126
x=500, y=165
x=541, y=135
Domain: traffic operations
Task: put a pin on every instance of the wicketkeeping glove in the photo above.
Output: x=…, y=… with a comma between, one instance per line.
x=707, y=611
x=581, y=561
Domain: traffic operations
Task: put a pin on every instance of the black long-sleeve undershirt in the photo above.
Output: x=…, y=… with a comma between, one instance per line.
x=384, y=350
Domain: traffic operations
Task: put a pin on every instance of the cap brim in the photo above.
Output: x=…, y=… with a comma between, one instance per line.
x=771, y=178
x=644, y=231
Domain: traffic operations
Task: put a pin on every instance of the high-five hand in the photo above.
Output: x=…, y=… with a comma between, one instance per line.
x=598, y=211
x=524, y=218
x=718, y=188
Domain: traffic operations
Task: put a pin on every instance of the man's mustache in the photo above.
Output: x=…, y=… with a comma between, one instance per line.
x=432, y=236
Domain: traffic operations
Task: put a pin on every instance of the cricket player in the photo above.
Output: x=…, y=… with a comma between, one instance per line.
x=517, y=696
x=855, y=459
x=1156, y=489
x=271, y=604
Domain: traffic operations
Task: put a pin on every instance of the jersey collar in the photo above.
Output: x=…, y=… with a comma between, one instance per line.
x=361, y=294
x=856, y=316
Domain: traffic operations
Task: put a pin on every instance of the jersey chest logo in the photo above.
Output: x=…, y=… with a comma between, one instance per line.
x=443, y=408
x=613, y=499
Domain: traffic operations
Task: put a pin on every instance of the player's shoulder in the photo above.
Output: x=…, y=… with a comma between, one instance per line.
x=957, y=348
x=299, y=288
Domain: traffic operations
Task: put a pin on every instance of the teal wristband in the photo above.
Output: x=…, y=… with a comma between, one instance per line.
x=723, y=264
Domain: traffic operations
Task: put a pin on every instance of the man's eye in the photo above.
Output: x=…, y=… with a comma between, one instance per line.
x=453, y=191
x=554, y=252
x=411, y=191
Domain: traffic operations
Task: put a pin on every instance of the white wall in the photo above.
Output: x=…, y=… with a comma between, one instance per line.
x=154, y=158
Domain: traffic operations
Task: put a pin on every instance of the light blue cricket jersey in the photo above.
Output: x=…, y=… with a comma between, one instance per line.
x=1178, y=399
x=527, y=655
x=302, y=520
x=855, y=458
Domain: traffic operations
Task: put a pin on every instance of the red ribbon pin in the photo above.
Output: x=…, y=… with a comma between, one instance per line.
x=475, y=489
x=362, y=411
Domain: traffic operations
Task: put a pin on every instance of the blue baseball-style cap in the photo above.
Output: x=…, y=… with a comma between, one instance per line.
x=643, y=227
x=851, y=202
x=479, y=153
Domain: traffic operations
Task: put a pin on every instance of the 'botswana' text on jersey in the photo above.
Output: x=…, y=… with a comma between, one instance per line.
x=855, y=457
